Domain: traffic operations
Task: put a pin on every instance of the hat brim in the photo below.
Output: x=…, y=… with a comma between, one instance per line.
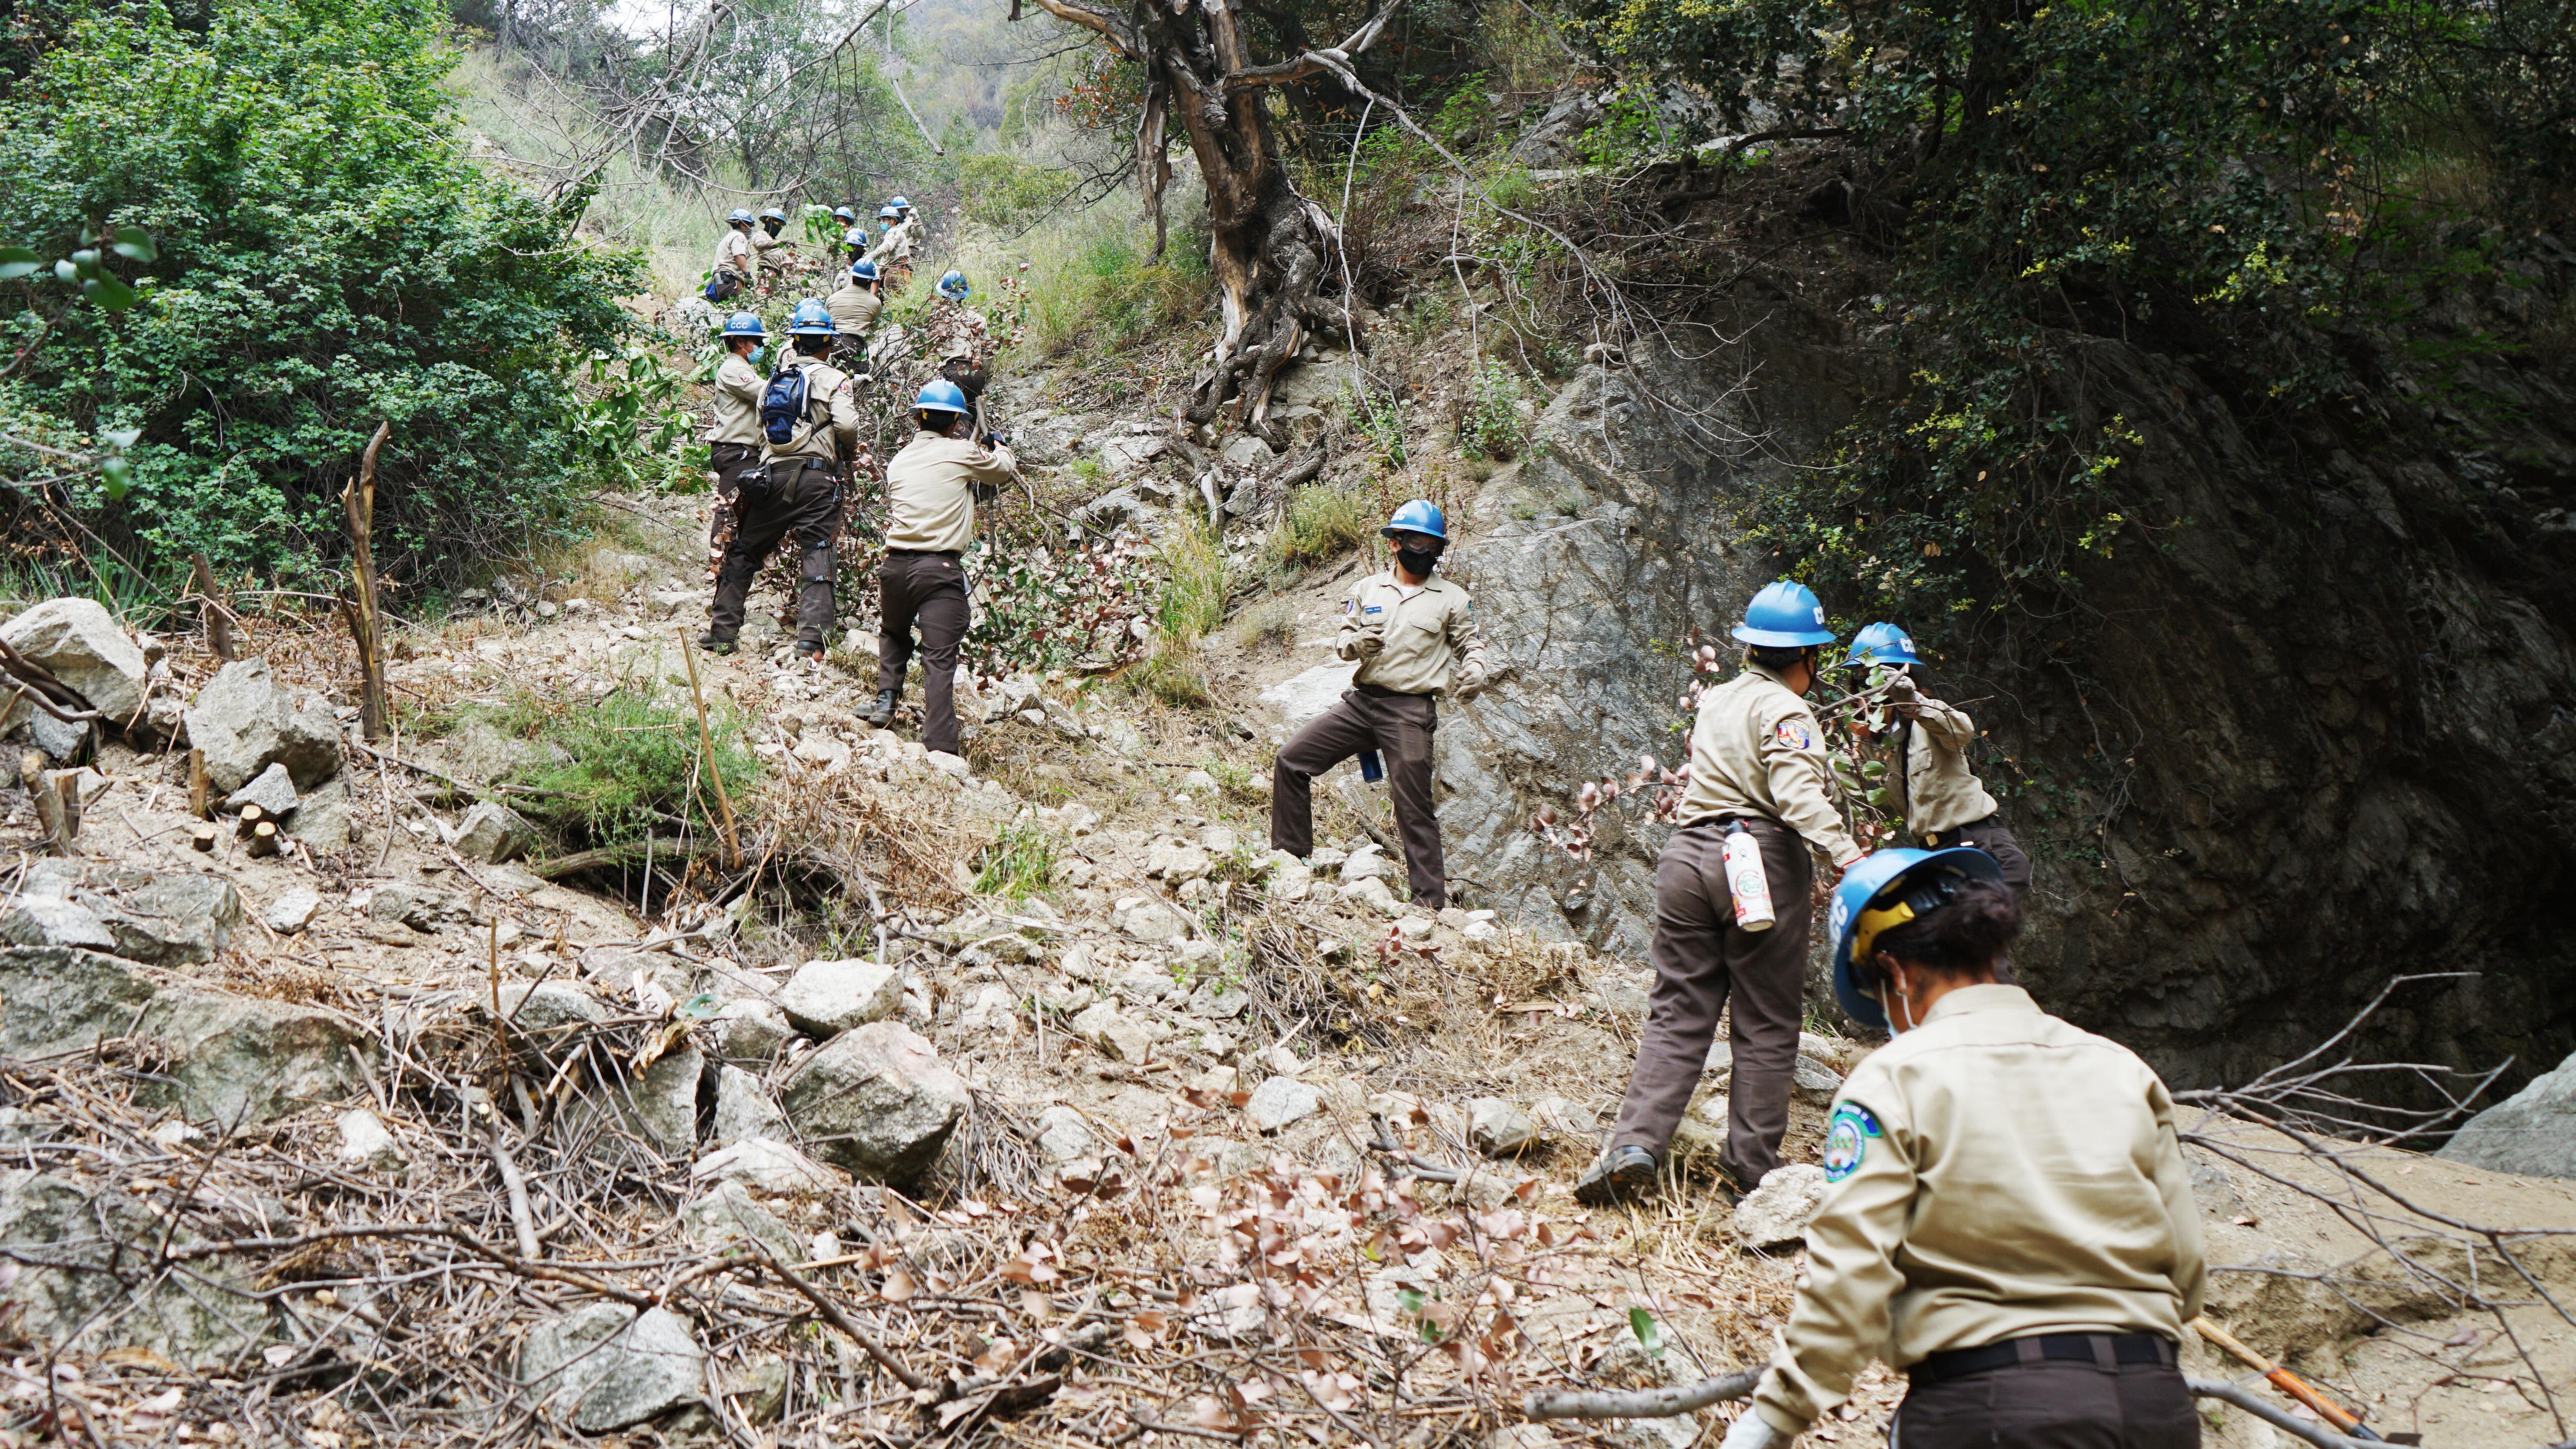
x=1391, y=531
x=1781, y=638
x=1862, y=1006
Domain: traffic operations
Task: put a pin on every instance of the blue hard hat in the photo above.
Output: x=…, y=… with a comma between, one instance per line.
x=900, y=204
x=1881, y=644
x=774, y=214
x=1419, y=516
x=939, y=395
x=844, y=215
x=811, y=319
x=744, y=324
x=1784, y=615
x=865, y=271
x=1887, y=889
x=856, y=236
x=888, y=213
x=954, y=286
x=739, y=217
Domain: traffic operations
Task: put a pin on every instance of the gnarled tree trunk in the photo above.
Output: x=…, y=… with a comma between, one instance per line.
x=1271, y=247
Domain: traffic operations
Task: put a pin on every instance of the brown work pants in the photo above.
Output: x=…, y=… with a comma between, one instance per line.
x=929, y=587
x=727, y=462
x=799, y=506
x=2052, y=1404
x=1990, y=836
x=1399, y=727
x=1702, y=961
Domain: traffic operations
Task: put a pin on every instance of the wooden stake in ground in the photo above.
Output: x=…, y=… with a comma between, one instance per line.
x=211, y=607
x=359, y=498
x=58, y=810
x=197, y=783
x=707, y=745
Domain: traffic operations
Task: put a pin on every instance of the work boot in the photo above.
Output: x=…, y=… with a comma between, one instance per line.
x=1622, y=1173
x=715, y=643
x=881, y=713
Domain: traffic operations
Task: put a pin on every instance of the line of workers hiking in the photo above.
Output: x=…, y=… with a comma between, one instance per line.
x=2008, y=1217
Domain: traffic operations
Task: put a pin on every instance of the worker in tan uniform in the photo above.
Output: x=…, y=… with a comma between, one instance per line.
x=734, y=266
x=2008, y=1218
x=1412, y=635
x=809, y=419
x=932, y=487
x=1758, y=767
x=1942, y=800
x=733, y=435
x=769, y=239
x=855, y=306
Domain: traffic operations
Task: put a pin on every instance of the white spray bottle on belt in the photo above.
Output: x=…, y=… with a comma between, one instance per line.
x=1746, y=880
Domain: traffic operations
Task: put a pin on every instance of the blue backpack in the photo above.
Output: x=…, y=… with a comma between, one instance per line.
x=783, y=403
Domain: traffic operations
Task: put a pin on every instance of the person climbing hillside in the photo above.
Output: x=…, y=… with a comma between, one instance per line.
x=809, y=419
x=957, y=341
x=932, y=487
x=733, y=434
x=893, y=251
x=2008, y=1218
x=1937, y=790
x=855, y=306
x=734, y=266
x=768, y=239
x=1726, y=931
x=1413, y=635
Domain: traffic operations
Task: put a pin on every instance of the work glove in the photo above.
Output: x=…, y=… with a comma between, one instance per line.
x=1753, y=1432
x=1471, y=682
x=1900, y=688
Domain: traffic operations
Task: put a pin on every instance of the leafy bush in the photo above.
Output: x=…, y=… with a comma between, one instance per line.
x=327, y=258
x=1007, y=192
x=1193, y=598
x=1018, y=865
x=1321, y=524
x=629, y=765
x=1493, y=425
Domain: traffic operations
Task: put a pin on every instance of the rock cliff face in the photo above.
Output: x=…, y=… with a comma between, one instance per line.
x=2317, y=731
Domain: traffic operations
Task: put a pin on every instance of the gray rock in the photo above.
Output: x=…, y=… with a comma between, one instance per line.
x=666, y=1099
x=70, y=1283
x=725, y=1214
x=1111, y=509
x=1148, y=918
x=2214, y=1192
x=323, y=820
x=366, y=1143
x=744, y=1109
x=825, y=998
x=1814, y=1083
x=751, y=1029
x=233, y=1058
x=60, y=740
x=878, y=1101
x=2532, y=1132
x=421, y=907
x=1367, y=863
x=1218, y=1001
x=1105, y=1029
x=493, y=833
x=245, y=722
x=159, y=920
x=608, y=1367
x=1063, y=1135
x=771, y=1166
x=293, y=911
x=1145, y=985
x=1496, y=1128
x=85, y=648
x=272, y=790
x=1374, y=893
x=1779, y=1210
x=1280, y=1101
x=546, y=1018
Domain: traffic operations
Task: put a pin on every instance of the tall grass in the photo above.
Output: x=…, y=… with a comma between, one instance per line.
x=1092, y=285
x=1193, y=599
x=1323, y=524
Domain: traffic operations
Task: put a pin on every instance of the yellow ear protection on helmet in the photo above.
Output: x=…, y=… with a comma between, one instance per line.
x=1928, y=895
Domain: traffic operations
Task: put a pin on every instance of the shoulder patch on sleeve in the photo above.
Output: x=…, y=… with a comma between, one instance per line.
x=1793, y=733
x=1847, y=1139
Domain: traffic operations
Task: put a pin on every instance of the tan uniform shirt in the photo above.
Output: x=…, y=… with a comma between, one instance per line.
x=893, y=244
x=1995, y=1173
x=733, y=251
x=953, y=331
x=931, y=487
x=763, y=243
x=1428, y=631
x=830, y=429
x=1756, y=749
x=854, y=309
x=737, y=403
x=1941, y=792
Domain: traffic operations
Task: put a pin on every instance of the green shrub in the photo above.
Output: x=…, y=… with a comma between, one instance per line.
x=1018, y=865
x=1493, y=426
x=628, y=765
x=1007, y=192
x=1092, y=285
x=1321, y=524
x=328, y=258
x=1193, y=598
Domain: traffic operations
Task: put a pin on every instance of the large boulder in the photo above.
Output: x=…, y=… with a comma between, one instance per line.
x=84, y=646
x=827, y=998
x=878, y=1101
x=246, y=721
x=73, y=1248
x=159, y=920
x=2532, y=1132
x=608, y=1367
x=234, y=1059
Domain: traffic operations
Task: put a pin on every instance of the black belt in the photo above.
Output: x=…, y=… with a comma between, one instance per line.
x=1932, y=838
x=1720, y=822
x=2129, y=1348
x=1373, y=692
x=947, y=553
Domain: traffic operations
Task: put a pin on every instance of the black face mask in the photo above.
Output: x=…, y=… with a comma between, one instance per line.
x=1417, y=561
